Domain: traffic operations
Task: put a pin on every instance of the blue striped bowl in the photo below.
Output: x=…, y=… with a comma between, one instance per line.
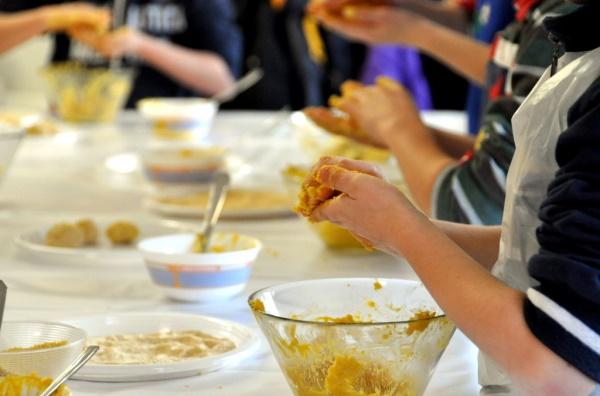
x=187, y=276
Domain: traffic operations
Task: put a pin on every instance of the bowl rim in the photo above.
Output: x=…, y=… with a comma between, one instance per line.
x=83, y=337
x=257, y=246
x=341, y=280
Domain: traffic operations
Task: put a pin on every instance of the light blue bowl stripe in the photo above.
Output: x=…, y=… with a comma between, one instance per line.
x=237, y=276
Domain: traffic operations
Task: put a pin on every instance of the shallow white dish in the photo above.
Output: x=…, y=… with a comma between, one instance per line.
x=31, y=243
x=134, y=323
x=166, y=209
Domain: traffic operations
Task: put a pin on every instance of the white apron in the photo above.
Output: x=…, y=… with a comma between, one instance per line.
x=537, y=125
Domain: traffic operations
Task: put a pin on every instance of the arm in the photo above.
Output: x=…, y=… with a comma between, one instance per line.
x=203, y=71
x=18, y=27
x=387, y=25
x=453, y=144
x=485, y=309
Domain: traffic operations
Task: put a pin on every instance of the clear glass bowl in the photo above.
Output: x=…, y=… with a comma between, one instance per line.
x=340, y=337
x=81, y=94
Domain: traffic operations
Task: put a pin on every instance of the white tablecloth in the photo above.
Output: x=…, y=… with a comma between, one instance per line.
x=65, y=176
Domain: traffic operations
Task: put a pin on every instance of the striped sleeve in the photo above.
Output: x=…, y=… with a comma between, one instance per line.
x=564, y=310
x=472, y=192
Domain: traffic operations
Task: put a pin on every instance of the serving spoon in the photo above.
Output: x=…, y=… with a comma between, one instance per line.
x=75, y=365
x=244, y=83
x=216, y=201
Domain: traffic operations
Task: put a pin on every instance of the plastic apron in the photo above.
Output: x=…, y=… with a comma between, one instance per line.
x=537, y=125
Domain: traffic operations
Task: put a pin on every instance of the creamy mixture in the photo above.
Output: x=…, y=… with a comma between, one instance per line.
x=158, y=348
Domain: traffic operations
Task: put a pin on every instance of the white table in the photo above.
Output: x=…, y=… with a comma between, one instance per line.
x=52, y=178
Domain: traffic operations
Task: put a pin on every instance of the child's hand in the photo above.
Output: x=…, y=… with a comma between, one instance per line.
x=113, y=44
x=383, y=111
x=372, y=24
x=369, y=207
x=76, y=15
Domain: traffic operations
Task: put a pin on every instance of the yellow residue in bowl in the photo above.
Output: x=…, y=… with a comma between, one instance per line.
x=377, y=285
x=346, y=376
x=257, y=305
x=40, y=346
x=17, y=385
x=420, y=322
x=346, y=319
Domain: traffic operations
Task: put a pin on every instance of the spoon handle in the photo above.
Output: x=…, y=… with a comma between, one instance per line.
x=216, y=201
x=71, y=369
x=244, y=83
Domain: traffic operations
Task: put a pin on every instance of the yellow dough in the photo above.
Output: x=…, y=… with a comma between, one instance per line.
x=122, y=232
x=65, y=235
x=89, y=230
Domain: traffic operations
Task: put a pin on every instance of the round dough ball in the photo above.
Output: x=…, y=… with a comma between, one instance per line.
x=122, y=232
x=64, y=235
x=89, y=230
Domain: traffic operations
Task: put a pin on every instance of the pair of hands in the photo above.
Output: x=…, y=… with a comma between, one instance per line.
x=90, y=25
x=369, y=207
x=375, y=114
x=372, y=21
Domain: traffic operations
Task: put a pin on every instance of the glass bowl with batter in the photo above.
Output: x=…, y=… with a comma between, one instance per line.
x=354, y=336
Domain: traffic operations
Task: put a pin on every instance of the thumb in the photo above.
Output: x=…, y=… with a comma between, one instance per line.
x=346, y=181
x=365, y=14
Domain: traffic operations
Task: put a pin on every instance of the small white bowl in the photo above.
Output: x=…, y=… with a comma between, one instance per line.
x=44, y=362
x=182, y=164
x=10, y=139
x=187, y=276
x=179, y=118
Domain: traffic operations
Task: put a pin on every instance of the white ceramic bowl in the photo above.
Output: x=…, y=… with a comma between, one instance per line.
x=187, y=276
x=45, y=362
x=182, y=164
x=10, y=138
x=179, y=118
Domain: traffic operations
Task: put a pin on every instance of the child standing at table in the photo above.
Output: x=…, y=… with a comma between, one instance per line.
x=538, y=316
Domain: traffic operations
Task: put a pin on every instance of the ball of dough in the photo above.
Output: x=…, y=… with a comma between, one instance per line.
x=122, y=232
x=64, y=235
x=89, y=230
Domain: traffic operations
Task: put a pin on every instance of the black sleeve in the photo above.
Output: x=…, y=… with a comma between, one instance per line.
x=212, y=27
x=564, y=310
x=23, y=5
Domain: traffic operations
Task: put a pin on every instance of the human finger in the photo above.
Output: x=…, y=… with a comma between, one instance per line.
x=325, y=119
x=350, y=86
x=347, y=181
x=351, y=165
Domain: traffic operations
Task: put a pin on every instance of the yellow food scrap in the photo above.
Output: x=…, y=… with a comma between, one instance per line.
x=346, y=319
x=377, y=285
x=89, y=230
x=17, y=385
x=257, y=305
x=419, y=321
x=314, y=41
x=40, y=346
x=64, y=235
x=371, y=304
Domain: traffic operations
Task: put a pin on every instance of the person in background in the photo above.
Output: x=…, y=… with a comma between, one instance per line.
x=453, y=177
x=536, y=316
x=16, y=28
x=178, y=47
x=435, y=28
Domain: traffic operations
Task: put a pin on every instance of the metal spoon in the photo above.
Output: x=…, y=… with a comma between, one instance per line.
x=118, y=20
x=216, y=201
x=2, y=300
x=244, y=83
x=71, y=369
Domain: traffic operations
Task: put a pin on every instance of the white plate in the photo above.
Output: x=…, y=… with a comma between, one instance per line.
x=135, y=323
x=31, y=243
x=193, y=212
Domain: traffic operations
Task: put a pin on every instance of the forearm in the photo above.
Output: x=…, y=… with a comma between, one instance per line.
x=19, y=27
x=480, y=242
x=485, y=309
x=420, y=159
x=203, y=71
x=446, y=13
x=453, y=144
x=460, y=52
